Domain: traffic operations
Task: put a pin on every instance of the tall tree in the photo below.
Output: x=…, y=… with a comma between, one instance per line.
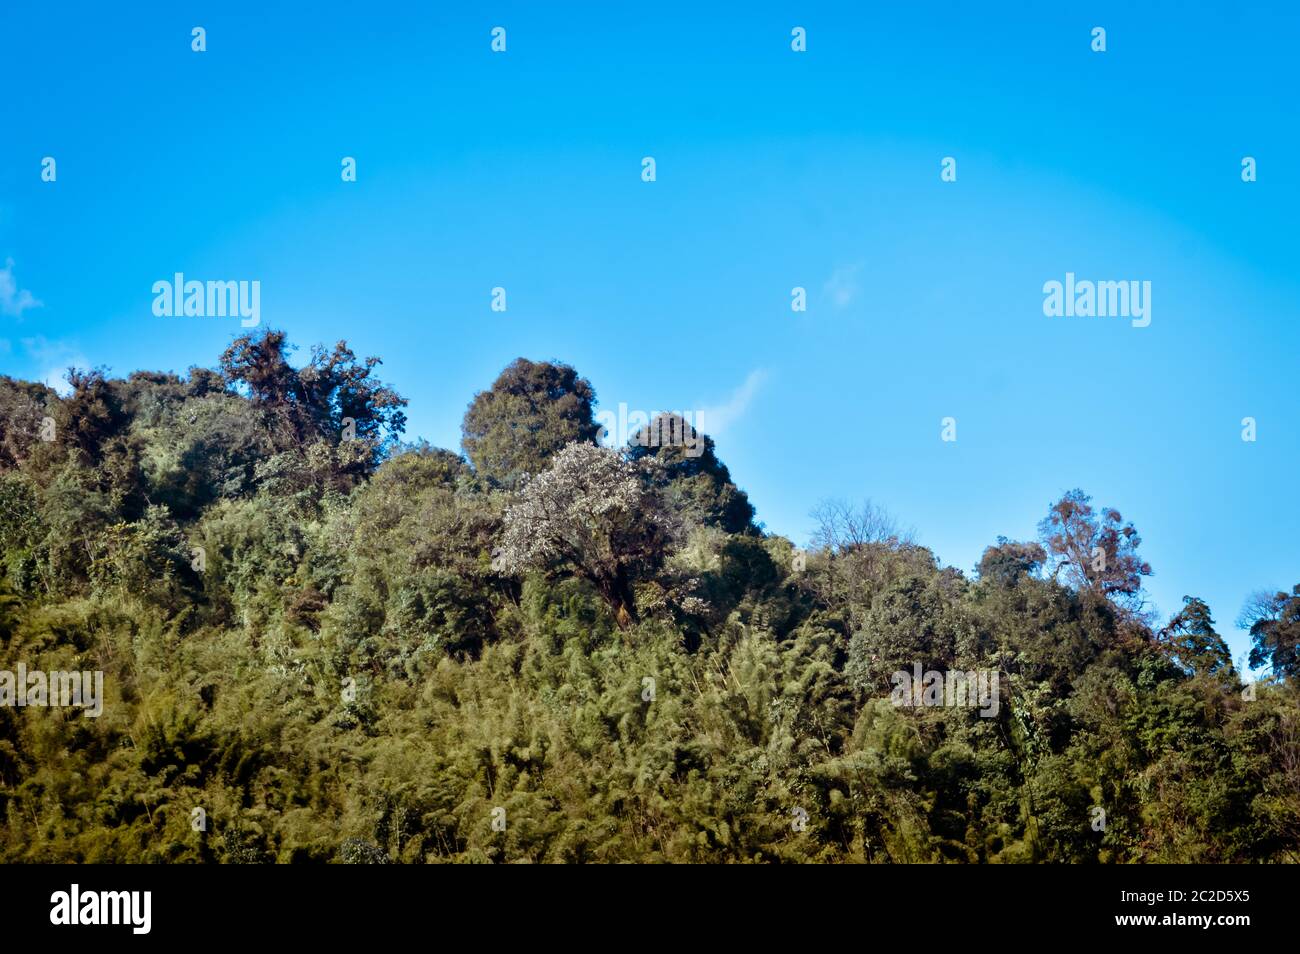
x=532, y=410
x=334, y=395
x=1191, y=640
x=1275, y=634
x=1096, y=553
x=695, y=483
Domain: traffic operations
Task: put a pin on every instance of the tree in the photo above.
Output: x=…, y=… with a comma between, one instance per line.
x=916, y=620
x=334, y=396
x=843, y=527
x=861, y=550
x=1275, y=634
x=1098, y=556
x=1007, y=563
x=91, y=415
x=694, y=482
x=590, y=513
x=23, y=408
x=1192, y=642
x=532, y=410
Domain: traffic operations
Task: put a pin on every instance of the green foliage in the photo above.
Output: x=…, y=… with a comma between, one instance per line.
x=1276, y=635
x=1192, y=642
x=343, y=650
x=692, y=481
x=532, y=410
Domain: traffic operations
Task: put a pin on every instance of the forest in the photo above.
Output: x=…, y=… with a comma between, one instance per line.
x=321, y=643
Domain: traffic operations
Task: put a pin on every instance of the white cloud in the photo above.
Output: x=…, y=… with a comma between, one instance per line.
x=52, y=359
x=718, y=418
x=56, y=379
x=842, y=287
x=13, y=300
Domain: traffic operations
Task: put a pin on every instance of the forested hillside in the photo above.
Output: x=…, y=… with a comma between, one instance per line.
x=343, y=648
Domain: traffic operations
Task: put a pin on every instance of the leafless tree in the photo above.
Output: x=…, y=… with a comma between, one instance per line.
x=858, y=551
x=842, y=526
x=1260, y=604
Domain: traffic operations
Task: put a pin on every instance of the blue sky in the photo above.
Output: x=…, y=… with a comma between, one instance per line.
x=775, y=169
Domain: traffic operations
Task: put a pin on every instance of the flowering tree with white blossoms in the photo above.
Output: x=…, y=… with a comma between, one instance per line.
x=590, y=513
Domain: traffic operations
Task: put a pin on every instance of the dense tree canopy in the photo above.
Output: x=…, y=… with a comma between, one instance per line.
x=532, y=410
x=345, y=649
x=1276, y=634
x=692, y=481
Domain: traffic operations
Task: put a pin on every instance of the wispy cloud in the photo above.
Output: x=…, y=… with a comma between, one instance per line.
x=52, y=360
x=14, y=300
x=842, y=287
x=719, y=417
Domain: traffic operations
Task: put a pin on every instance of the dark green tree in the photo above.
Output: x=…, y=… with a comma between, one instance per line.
x=1275, y=635
x=532, y=410
x=333, y=396
x=1192, y=642
x=1007, y=563
x=694, y=482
